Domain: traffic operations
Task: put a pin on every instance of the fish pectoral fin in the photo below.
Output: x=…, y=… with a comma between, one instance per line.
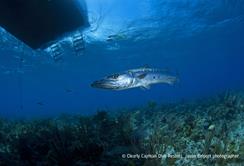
x=141, y=76
x=142, y=88
x=145, y=87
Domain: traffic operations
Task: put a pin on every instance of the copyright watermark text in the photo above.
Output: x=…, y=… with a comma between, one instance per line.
x=179, y=156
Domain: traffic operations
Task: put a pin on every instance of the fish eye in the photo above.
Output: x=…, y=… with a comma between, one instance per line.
x=154, y=77
x=114, y=76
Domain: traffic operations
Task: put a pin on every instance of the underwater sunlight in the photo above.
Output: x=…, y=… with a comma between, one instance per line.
x=147, y=82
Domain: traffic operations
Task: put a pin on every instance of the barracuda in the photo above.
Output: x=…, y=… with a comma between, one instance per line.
x=141, y=77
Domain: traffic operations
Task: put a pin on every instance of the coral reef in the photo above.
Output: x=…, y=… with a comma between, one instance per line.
x=208, y=132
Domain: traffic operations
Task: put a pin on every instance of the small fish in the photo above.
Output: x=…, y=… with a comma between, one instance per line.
x=141, y=77
x=68, y=91
x=116, y=37
x=40, y=103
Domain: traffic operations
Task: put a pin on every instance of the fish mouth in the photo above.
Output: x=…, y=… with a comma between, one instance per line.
x=104, y=84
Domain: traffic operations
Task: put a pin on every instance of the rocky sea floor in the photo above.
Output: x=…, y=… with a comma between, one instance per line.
x=206, y=132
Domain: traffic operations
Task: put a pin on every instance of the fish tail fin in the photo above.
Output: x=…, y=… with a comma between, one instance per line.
x=178, y=76
x=172, y=80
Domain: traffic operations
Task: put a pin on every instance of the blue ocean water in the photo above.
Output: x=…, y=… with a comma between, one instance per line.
x=202, y=40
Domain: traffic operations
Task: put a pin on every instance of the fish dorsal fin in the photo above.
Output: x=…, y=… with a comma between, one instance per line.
x=146, y=66
x=141, y=76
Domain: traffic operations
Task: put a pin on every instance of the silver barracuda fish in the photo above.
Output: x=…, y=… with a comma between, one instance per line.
x=141, y=77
